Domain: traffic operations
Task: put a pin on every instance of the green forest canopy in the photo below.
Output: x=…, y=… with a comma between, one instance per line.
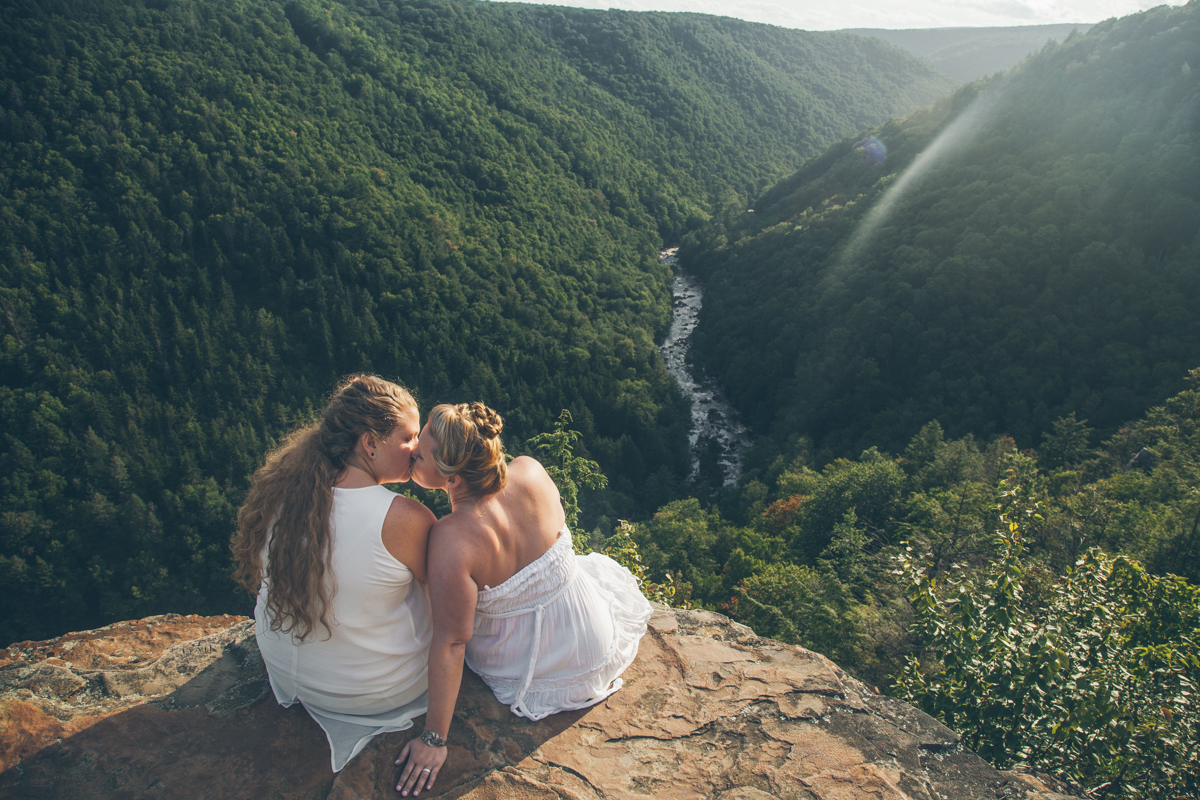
x=1046, y=266
x=210, y=211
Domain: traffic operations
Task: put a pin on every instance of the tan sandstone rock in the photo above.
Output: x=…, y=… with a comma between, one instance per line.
x=180, y=707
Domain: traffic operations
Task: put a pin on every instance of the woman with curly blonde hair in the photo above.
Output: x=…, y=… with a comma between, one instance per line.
x=338, y=564
x=547, y=630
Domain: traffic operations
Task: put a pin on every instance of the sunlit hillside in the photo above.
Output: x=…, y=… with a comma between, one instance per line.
x=1019, y=252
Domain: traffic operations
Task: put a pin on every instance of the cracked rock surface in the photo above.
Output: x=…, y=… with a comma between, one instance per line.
x=180, y=707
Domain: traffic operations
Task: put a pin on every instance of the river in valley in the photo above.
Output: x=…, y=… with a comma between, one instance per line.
x=712, y=415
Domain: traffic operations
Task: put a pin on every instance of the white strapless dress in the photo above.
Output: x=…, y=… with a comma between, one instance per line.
x=558, y=634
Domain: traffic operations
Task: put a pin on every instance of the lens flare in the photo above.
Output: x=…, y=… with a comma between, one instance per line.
x=875, y=149
x=955, y=135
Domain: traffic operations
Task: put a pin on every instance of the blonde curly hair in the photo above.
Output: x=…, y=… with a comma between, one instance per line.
x=468, y=437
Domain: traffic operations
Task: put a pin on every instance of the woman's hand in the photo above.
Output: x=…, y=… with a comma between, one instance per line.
x=424, y=762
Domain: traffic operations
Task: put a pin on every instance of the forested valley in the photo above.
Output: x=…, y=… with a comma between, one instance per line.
x=1038, y=259
x=969, y=54
x=211, y=211
x=969, y=343
x=965, y=335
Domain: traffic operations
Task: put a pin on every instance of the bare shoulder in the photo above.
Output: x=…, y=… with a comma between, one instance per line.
x=534, y=490
x=529, y=470
x=409, y=513
x=454, y=527
x=521, y=463
x=405, y=533
x=457, y=529
x=456, y=539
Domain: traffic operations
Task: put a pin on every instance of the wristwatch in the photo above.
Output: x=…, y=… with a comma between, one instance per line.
x=432, y=739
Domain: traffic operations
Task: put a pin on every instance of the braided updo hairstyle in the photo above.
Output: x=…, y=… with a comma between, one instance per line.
x=468, y=437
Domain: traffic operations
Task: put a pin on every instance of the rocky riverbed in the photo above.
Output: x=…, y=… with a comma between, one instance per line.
x=712, y=415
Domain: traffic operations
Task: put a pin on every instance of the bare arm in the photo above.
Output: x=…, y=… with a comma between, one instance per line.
x=452, y=595
x=406, y=534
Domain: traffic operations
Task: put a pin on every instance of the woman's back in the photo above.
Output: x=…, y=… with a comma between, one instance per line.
x=373, y=658
x=515, y=526
x=545, y=629
x=332, y=555
x=552, y=630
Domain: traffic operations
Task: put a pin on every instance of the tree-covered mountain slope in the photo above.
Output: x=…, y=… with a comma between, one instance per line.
x=969, y=54
x=210, y=211
x=1027, y=249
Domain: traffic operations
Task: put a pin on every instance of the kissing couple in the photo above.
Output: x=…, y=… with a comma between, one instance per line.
x=368, y=605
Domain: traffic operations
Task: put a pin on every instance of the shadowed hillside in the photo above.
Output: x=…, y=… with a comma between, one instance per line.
x=1021, y=251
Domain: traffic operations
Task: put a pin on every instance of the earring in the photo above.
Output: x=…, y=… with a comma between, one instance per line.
x=372, y=454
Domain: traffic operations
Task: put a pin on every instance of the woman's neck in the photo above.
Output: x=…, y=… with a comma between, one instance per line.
x=461, y=497
x=354, y=477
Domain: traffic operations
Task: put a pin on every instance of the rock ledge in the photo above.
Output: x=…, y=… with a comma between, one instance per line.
x=180, y=706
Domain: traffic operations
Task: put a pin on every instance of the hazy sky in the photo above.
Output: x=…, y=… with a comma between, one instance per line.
x=819, y=15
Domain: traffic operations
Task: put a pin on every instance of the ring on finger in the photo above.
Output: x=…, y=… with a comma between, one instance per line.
x=426, y=770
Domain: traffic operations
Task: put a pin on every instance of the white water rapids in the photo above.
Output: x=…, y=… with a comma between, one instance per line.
x=712, y=415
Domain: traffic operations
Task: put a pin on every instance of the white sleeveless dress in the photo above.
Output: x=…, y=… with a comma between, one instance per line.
x=558, y=634
x=369, y=673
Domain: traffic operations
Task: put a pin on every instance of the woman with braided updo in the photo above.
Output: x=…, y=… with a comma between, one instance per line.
x=337, y=562
x=547, y=630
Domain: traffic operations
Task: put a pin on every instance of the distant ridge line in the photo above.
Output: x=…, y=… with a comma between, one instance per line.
x=969, y=54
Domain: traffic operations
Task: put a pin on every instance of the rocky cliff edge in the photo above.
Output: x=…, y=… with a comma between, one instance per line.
x=179, y=706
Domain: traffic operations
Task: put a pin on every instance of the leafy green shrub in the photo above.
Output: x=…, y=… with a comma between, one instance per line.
x=624, y=550
x=569, y=471
x=1091, y=676
x=830, y=607
x=791, y=603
